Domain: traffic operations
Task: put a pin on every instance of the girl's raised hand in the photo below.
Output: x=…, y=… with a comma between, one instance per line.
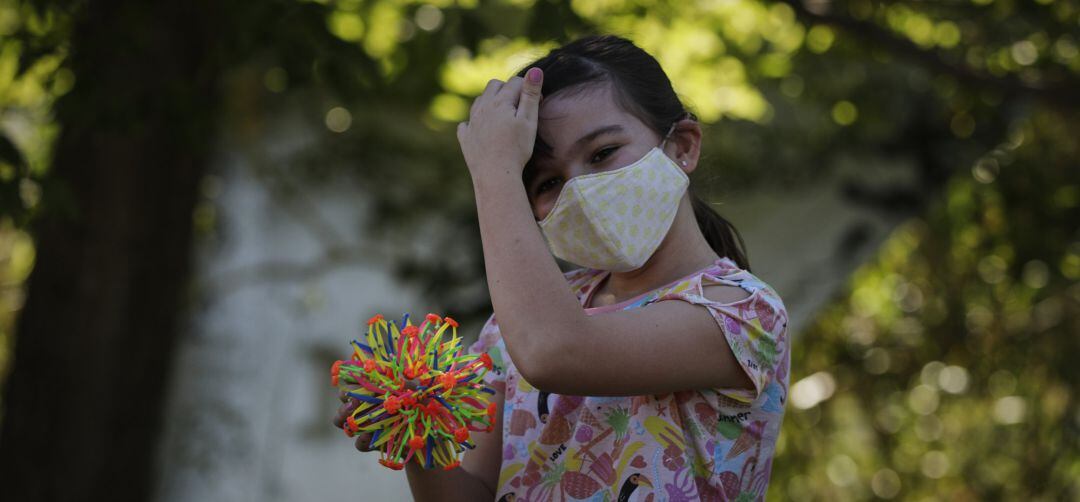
x=500, y=134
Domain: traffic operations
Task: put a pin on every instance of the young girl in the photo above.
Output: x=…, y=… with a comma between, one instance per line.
x=659, y=370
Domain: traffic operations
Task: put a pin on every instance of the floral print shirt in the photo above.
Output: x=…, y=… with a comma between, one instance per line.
x=712, y=444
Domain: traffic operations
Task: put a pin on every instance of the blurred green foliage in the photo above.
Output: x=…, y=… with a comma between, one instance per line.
x=31, y=77
x=946, y=369
x=940, y=372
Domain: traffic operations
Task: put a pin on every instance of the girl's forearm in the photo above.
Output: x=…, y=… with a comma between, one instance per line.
x=526, y=286
x=437, y=485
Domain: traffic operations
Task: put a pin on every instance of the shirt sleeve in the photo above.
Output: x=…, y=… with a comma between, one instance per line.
x=490, y=341
x=754, y=327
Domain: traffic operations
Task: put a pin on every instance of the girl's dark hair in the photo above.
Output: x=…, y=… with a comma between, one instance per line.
x=640, y=87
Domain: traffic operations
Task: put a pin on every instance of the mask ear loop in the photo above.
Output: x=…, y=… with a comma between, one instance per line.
x=672, y=128
x=668, y=135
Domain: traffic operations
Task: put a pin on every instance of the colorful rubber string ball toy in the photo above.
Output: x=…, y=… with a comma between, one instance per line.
x=429, y=420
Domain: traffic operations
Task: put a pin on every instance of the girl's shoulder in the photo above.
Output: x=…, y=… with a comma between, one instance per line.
x=761, y=300
x=726, y=272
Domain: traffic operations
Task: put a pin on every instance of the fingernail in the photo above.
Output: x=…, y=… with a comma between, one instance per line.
x=533, y=74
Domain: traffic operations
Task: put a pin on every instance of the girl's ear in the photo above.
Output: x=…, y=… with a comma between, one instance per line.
x=687, y=141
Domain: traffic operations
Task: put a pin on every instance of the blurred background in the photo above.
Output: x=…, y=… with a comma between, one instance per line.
x=201, y=202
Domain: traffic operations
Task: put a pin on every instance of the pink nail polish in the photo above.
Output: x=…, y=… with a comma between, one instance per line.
x=533, y=74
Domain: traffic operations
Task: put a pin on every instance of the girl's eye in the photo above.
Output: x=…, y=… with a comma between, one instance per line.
x=605, y=155
x=548, y=183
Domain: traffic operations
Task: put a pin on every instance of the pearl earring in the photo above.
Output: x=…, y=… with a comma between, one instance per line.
x=684, y=163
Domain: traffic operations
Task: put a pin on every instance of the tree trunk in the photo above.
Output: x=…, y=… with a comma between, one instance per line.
x=82, y=406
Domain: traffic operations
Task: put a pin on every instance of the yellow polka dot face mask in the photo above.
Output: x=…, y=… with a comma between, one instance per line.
x=614, y=220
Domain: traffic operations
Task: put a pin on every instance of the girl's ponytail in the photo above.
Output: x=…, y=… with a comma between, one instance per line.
x=719, y=232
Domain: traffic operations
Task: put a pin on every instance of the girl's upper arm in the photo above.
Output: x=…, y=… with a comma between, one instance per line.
x=667, y=346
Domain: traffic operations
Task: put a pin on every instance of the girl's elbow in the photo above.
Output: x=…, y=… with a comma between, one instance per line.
x=548, y=358
x=543, y=358
x=534, y=365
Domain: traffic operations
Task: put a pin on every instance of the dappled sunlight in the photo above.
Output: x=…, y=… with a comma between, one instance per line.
x=941, y=369
x=498, y=57
x=951, y=355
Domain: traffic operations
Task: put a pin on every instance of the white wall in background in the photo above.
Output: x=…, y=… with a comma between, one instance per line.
x=249, y=408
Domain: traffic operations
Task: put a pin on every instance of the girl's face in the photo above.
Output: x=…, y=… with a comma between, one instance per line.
x=587, y=133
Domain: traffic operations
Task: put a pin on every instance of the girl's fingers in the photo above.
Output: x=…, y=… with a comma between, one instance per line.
x=339, y=419
x=461, y=128
x=343, y=411
x=493, y=86
x=490, y=91
x=511, y=91
x=530, y=94
x=363, y=441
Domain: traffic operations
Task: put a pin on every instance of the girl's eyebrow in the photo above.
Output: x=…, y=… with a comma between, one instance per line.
x=608, y=129
x=532, y=169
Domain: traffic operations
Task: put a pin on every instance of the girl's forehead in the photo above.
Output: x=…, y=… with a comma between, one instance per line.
x=564, y=120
